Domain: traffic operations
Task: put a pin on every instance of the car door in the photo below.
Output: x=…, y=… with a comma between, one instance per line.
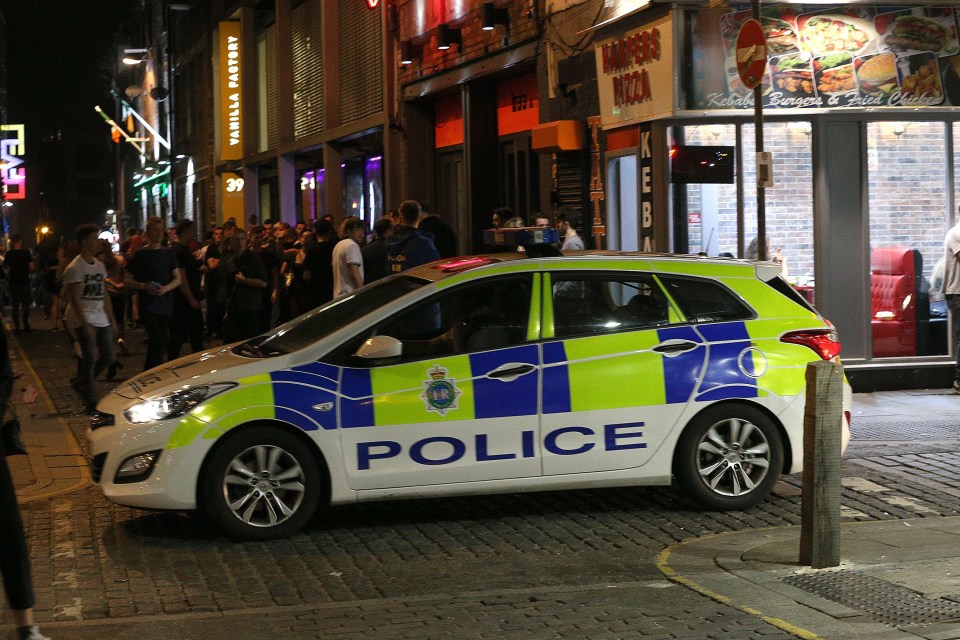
x=461, y=403
x=619, y=369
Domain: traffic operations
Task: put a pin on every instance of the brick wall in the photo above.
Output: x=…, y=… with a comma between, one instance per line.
x=476, y=42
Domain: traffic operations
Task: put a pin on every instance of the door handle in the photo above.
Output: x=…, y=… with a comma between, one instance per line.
x=675, y=347
x=511, y=371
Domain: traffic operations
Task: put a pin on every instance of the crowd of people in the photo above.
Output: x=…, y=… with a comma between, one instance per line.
x=232, y=285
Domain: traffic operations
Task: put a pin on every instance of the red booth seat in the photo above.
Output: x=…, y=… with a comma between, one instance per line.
x=893, y=291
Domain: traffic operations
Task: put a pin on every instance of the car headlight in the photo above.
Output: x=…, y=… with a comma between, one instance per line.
x=174, y=405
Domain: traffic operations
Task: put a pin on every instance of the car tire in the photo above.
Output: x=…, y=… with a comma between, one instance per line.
x=729, y=457
x=260, y=483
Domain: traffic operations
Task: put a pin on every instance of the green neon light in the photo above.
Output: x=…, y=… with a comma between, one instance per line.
x=153, y=178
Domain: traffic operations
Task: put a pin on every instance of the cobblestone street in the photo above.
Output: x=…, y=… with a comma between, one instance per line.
x=577, y=564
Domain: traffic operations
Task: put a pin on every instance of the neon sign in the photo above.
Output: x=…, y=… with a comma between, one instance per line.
x=13, y=146
x=372, y=4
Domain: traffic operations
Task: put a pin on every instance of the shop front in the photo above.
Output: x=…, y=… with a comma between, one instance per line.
x=860, y=113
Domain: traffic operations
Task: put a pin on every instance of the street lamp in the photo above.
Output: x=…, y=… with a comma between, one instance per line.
x=134, y=56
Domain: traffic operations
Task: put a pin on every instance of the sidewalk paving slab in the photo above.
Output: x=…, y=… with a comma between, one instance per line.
x=919, y=559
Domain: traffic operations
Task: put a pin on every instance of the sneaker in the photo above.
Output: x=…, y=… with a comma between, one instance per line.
x=956, y=386
x=27, y=633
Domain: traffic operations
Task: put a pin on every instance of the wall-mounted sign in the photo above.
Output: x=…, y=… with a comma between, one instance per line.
x=231, y=196
x=372, y=4
x=13, y=146
x=231, y=92
x=518, y=105
x=648, y=230
x=635, y=74
x=448, y=122
x=855, y=56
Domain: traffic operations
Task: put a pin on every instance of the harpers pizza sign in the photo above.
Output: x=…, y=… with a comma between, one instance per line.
x=634, y=72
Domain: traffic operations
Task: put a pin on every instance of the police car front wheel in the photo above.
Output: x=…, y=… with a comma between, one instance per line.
x=260, y=483
x=729, y=457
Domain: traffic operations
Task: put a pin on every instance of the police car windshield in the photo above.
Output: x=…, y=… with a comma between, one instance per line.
x=306, y=329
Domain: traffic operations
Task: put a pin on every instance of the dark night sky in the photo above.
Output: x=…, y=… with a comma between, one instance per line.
x=55, y=51
x=58, y=54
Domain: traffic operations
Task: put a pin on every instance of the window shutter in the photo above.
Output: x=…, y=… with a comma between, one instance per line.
x=308, y=114
x=361, y=61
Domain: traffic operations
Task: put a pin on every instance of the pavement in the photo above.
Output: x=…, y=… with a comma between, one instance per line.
x=896, y=578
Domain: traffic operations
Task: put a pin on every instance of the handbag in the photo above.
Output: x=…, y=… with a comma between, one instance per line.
x=11, y=438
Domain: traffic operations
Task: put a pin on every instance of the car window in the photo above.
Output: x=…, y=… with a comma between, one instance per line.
x=474, y=317
x=703, y=300
x=308, y=328
x=606, y=303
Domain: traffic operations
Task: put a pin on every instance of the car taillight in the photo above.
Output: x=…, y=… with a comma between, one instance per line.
x=823, y=341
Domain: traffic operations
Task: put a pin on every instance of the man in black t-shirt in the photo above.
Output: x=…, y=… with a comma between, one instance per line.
x=187, y=320
x=443, y=237
x=19, y=264
x=318, y=266
x=211, y=280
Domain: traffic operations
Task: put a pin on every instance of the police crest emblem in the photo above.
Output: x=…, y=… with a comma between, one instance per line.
x=440, y=393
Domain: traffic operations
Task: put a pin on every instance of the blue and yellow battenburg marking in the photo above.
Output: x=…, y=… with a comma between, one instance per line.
x=576, y=375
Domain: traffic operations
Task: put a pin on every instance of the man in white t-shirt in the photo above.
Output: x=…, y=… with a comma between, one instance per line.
x=567, y=222
x=951, y=291
x=90, y=312
x=347, y=257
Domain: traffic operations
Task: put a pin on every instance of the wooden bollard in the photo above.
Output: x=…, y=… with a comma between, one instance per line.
x=822, y=433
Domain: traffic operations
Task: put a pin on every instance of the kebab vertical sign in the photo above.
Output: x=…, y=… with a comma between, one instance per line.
x=231, y=92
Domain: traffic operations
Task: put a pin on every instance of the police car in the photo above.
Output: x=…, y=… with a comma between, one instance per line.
x=476, y=375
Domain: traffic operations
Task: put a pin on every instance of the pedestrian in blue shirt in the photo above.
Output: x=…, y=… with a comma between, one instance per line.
x=153, y=272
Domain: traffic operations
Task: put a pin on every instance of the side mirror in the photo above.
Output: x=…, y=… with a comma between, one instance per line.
x=379, y=347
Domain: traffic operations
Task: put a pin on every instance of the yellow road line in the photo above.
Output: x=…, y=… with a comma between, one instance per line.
x=662, y=563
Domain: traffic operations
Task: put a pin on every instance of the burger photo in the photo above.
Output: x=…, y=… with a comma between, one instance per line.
x=877, y=75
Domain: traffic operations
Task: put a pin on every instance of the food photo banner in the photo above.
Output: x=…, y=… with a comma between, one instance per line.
x=849, y=56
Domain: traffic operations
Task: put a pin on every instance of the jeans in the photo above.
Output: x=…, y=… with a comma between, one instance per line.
x=91, y=340
x=953, y=304
x=157, y=328
x=20, y=300
x=186, y=324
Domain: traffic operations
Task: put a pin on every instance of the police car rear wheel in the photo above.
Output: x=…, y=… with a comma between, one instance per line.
x=729, y=457
x=260, y=483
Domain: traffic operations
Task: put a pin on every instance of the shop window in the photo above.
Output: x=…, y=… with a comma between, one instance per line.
x=363, y=188
x=710, y=210
x=909, y=215
x=312, y=195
